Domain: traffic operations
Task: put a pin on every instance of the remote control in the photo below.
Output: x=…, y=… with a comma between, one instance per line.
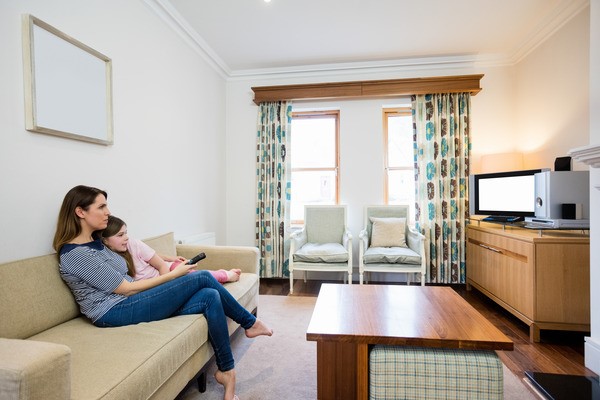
x=194, y=260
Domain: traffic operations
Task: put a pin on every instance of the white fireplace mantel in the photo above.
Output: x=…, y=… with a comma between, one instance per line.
x=589, y=155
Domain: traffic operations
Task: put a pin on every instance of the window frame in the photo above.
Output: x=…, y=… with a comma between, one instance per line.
x=336, y=169
x=386, y=113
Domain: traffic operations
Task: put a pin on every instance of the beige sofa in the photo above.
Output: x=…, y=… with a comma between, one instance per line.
x=48, y=350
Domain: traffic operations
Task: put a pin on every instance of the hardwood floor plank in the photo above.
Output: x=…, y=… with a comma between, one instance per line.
x=558, y=352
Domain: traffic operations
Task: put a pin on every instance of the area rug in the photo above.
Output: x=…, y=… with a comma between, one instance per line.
x=284, y=366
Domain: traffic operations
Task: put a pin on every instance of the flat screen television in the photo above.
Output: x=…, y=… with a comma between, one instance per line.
x=510, y=193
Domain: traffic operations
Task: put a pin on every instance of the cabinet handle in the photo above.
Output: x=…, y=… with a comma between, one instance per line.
x=491, y=248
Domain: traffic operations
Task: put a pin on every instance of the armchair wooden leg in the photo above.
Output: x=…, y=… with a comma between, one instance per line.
x=360, y=278
x=291, y=282
x=349, y=278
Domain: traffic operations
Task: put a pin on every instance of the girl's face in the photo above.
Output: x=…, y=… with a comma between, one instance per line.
x=117, y=242
x=96, y=216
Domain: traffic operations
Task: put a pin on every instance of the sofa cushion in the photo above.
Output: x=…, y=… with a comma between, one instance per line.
x=132, y=361
x=322, y=253
x=38, y=298
x=163, y=244
x=391, y=255
x=388, y=232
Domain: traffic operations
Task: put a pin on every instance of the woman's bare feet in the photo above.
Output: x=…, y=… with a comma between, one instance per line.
x=227, y=379
x=259, y=328
x=233, y=275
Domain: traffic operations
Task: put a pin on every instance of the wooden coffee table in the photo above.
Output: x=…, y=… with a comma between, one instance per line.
x=347, y=319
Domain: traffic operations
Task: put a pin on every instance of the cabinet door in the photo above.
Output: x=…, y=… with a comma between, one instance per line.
x=503, y=266
x=563, y=283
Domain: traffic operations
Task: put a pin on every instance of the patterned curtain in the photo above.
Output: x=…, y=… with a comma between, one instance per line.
x=442, y=147
x=273, y=172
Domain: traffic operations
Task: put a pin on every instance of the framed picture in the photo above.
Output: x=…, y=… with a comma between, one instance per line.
x=68, y=85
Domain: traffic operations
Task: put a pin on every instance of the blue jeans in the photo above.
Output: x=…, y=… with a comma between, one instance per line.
x=197, y=293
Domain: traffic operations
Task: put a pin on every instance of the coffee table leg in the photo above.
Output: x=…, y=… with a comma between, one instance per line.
x=342, y=370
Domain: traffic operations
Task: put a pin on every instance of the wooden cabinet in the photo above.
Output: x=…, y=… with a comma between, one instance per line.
x=544, y=280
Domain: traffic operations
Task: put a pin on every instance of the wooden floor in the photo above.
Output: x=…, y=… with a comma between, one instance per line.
x=558, y=352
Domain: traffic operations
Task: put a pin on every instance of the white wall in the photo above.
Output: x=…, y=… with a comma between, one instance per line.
x=165, y=171
x=592, y=347
x=552, y=94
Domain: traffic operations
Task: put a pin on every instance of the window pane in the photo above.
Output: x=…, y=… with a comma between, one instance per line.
x=400, y=141
x=311, y=187
x=401, y=189
x=313, y=143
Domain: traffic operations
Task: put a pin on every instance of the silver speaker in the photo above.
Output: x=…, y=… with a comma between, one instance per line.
x=555, y=188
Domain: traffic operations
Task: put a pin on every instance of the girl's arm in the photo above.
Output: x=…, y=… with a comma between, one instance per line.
x=171, y=259
x=127, y=288
x=160, y=263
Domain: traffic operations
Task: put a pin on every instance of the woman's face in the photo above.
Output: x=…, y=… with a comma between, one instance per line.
x=96, y=216
x=117, y=242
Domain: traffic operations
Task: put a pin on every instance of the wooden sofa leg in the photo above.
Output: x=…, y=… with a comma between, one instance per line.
x=202, y=382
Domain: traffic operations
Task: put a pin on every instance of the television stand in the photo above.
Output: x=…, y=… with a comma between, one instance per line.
x=543, y=281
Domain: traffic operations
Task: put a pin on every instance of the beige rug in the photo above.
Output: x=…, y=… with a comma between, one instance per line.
x=284, y=366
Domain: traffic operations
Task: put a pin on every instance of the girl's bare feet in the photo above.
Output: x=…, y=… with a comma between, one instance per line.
x=227, y=379
x=259, y=328
x=233, y=275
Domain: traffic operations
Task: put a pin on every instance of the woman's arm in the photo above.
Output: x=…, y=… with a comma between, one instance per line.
x=171, y=259
x=127, y=288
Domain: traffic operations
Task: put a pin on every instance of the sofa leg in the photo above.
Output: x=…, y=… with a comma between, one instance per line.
x=202, y=382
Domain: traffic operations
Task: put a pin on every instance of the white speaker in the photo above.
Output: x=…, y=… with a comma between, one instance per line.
x=555, y=188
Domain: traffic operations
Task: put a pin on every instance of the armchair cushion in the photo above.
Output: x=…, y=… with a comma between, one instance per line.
x=388, y=232
x=391, y=255
x=322, y=252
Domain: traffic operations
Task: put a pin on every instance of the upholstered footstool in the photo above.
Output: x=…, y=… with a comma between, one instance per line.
x=406, y=372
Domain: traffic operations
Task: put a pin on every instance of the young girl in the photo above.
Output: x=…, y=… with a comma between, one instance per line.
x=142, y=261
x=98, y=279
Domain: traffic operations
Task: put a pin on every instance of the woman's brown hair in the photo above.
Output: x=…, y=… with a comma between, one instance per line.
x=112, y=228
x=68, y=226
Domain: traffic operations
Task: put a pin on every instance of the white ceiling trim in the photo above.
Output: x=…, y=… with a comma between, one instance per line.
x=165, y=10
x=548, y=27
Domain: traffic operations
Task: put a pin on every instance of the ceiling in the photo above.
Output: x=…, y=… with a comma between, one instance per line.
x=250, y=37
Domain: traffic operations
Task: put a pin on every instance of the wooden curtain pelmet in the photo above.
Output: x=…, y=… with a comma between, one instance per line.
x=380, y=88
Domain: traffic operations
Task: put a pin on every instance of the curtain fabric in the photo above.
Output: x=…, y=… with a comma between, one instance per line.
x=442, y=148
x=273, y=170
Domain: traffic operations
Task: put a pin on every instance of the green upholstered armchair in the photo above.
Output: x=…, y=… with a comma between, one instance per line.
x=323, y=244
x=388, y=244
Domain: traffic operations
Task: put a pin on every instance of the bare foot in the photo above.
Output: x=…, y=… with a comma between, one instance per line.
x=259, y=328
x=227, y=379
x=233, y=275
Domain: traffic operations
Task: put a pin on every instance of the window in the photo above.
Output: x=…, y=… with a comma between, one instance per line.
x=399, y=157
x=315, y=160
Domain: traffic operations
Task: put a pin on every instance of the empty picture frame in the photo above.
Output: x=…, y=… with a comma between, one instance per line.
x=68, y=85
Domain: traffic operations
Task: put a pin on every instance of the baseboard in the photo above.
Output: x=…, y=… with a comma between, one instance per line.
x=592, y=354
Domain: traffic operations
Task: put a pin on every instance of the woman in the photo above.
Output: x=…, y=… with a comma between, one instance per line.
x=109, y=297
x=142, y=261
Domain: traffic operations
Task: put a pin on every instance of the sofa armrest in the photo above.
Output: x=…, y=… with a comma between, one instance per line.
x=245, y=258
x=363, y=240
x=34, y=370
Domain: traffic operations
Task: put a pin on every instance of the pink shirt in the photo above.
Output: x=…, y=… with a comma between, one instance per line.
x=141, y=254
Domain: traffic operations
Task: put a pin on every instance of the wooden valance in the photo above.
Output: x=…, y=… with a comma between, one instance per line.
x=380, y=88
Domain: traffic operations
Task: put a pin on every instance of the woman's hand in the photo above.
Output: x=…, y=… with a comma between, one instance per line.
x=180, y=268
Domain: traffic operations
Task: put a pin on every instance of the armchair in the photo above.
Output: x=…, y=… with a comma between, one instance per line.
x=323, y=244
x=388, y=244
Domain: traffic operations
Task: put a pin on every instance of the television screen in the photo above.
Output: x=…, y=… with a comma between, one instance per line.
x=503, y=193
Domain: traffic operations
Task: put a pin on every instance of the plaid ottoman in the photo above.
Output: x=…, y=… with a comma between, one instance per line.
x=397, y=372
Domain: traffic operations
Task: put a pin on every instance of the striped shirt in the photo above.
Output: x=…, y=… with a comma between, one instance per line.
x=92, y=272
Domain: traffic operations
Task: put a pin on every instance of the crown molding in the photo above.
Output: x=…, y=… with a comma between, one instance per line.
x=567, y=10
x=544, y=30
x=165, y=10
